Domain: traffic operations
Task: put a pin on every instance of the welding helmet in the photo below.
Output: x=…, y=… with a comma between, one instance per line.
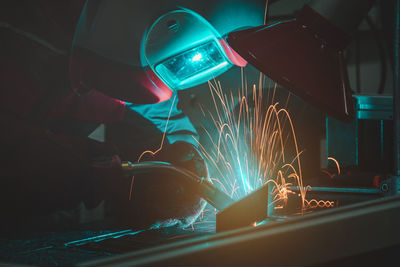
x=141, y=52
x=183, y=50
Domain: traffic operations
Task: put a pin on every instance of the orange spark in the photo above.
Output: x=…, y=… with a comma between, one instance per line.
x=336, y=162
x=152, y=153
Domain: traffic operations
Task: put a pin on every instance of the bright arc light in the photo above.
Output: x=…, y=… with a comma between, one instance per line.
x=197, y=57
x=194, y=66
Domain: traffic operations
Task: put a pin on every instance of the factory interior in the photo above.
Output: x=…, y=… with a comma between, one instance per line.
x=200, y=133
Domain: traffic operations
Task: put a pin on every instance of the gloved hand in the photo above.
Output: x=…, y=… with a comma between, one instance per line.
x=159, y=198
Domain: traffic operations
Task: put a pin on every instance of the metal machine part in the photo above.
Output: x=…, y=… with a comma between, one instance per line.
x=374, y=107
x=390, y=186
x=338, y=190
x=366, y=142
x=375, y=134
x=205, y=189
x=342, y=196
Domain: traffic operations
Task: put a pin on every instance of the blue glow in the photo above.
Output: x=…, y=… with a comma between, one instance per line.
x=245, y=181
x=98, y=238
x=197, y=57
x=193, y=66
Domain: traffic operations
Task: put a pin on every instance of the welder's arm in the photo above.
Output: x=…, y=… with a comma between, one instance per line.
x=145, y=126
x=43, y=173
x=160, y=198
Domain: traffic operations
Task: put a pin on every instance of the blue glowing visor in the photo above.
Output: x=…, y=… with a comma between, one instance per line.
x=193, y=66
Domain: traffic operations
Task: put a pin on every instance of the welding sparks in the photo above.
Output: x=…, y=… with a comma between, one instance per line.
x=331, y=175
x=152, y=153
x=336, y=163
x=252, y=143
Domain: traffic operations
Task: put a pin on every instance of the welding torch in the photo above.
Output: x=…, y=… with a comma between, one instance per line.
x=204, y=188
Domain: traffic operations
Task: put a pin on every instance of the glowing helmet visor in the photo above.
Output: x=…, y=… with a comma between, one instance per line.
x=184, y=50
x=193, y=66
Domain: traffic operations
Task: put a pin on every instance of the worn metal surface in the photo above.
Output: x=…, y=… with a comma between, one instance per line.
x=72, y=247
x=251, y=209
x=312, y=239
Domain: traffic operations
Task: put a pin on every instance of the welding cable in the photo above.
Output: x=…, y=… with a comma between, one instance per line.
x=205, y=189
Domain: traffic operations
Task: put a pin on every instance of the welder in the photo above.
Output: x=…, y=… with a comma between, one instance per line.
x=69, y=66
x=53, y=97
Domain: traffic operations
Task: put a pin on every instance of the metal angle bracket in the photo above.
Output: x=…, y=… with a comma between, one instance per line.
x=251, y=209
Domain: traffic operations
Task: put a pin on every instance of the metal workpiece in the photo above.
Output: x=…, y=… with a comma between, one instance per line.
x=204, y=188
x=246, y=212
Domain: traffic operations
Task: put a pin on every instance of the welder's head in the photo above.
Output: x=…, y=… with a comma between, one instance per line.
x=184, y=49
x=141, y=52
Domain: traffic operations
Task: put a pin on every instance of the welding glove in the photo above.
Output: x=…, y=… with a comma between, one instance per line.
x=162, y=199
